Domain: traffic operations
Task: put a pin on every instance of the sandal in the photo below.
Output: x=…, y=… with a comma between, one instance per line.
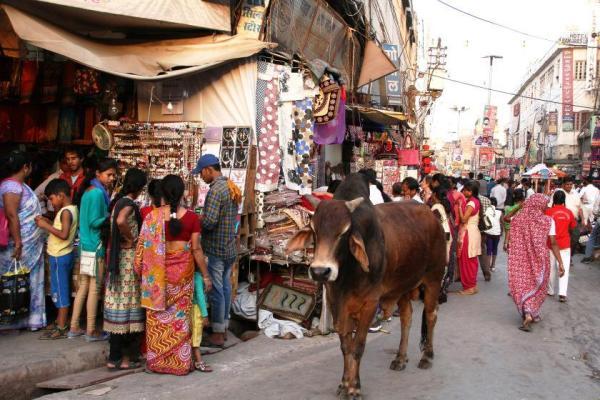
x=202, y=366
x=526, y=326
x=130, y=365
x=56, y=333
x=113, y=366
x=562, y=299
x=50, y=327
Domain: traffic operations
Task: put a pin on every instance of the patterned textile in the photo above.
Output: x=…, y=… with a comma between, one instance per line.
x=150, y=260
x=218, y=224
x=286, y=140
x=265, y=74
x=528, y=257
x=197, y=326
x=168, y=332
x=32, y=255
x=334, y=131
x=269, y=159
x=123, y=312
x=327, y=102
x=303, y=128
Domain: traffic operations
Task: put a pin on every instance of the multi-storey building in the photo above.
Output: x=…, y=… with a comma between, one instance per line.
x=551, y=111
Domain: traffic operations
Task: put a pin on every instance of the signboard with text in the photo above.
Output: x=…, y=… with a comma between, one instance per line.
x=392, y=81
x=568, y=116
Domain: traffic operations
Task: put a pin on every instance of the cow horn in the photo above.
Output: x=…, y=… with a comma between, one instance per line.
x=353, y=204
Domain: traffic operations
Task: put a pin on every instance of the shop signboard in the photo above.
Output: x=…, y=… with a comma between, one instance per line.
x=392, y=81
x=484, y=141
x=595, y=129
x=553, y=123
x=568, y=116
x=251, y=19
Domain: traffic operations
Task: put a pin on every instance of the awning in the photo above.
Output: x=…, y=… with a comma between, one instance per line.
x=78, y=15
x=376, y=64
x=384, y=117
x=145, y=61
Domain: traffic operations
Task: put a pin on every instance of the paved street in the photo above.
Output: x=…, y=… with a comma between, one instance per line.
x=480, y=354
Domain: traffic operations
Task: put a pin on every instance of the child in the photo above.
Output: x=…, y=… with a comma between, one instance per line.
x=199, y=319
x=60, y=252
x=492, y=235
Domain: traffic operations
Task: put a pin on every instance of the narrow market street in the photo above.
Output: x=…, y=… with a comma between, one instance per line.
x=480, y=354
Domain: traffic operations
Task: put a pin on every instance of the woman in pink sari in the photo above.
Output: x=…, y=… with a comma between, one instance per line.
x=529, y=259
x=469, y=239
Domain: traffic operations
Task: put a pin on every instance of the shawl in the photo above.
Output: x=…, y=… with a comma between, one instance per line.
x=115, y=235
x=96, y=183
x=528, y=258
x=150, y=259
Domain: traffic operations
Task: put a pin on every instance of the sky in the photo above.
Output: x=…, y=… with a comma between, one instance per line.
x=468, y=40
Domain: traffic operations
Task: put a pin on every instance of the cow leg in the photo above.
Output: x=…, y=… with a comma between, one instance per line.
x=360, y=340
x=405, y=308
x=432, y=291
x=344, y=326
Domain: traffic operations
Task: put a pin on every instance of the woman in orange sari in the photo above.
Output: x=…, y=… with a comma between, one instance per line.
x=167, y=250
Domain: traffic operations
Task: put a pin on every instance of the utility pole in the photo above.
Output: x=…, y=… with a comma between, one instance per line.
x=437, y=60
x=492, y=58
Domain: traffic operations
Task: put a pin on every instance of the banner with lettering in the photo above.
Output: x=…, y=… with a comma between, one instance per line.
x=392, y=81
x=251, y=20
x=568, y=116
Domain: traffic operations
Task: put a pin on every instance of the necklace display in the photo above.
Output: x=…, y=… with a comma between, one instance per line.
x=159, y=149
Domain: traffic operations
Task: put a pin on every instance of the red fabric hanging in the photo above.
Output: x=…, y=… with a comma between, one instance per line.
x=29, y=74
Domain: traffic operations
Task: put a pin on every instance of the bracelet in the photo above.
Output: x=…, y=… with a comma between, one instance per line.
x=205, y=278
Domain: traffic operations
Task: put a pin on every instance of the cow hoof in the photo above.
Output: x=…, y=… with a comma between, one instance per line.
x=425, y=364
x=398, y=365
x=342, y=391
x=354, y=394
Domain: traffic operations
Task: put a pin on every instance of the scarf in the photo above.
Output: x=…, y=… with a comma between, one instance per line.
x=96, y=183
x=234, y=192
x=115, y=236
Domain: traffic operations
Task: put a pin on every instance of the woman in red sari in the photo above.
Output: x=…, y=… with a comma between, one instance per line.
x=469, y=239
x=529, y=259
x=168, y=248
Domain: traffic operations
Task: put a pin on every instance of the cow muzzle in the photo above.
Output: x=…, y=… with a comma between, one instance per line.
x=323, y=273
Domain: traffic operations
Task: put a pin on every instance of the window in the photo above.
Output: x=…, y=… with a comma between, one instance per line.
x=580, y=70
x=582, y=120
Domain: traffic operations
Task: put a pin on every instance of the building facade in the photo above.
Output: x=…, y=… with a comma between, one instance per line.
x=551, y=111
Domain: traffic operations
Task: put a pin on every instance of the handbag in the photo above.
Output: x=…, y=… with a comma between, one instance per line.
x=15, y=294
x=88, y=262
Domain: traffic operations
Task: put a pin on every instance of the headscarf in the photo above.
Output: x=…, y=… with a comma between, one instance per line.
x=529, y=259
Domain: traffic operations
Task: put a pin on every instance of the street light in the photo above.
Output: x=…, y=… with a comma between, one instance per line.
x=459, y=110
x=492, y=58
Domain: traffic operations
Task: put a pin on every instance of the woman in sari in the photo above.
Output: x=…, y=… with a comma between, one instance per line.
x=529, y=260
x=26, y=242
x=469, y=239
x=168, y=248
x=442, y=210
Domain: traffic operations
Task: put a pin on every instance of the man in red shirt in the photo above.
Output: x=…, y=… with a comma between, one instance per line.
x=565, y=222
x=75, y=174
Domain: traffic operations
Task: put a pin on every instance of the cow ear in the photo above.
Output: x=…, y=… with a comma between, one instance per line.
x=358, y=250
x=299, y=241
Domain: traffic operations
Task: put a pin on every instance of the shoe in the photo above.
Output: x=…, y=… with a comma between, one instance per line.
x=72, y=334
x=102, y=337
x=587, y=260
x=375, y=326
x=562, y=299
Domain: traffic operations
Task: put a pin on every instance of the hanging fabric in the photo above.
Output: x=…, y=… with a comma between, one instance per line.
x=269, y=159
x=334, y=131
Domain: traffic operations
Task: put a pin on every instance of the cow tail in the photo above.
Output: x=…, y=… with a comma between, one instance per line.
x=423, y=330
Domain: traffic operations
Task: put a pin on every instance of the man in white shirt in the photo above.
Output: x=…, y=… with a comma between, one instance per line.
x=526, y=186
x=589, y=195
x=499, y=193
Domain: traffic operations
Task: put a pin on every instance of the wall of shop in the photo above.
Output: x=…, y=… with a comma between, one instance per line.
x=222, y=96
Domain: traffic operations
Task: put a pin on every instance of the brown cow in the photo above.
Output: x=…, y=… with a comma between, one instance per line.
x=369, y=255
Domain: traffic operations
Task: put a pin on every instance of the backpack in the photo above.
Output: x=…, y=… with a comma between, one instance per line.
x=485, y=223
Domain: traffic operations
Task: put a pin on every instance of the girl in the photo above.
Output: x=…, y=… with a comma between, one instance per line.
x=123, y=314
x=93, y=213
x=492, y=235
